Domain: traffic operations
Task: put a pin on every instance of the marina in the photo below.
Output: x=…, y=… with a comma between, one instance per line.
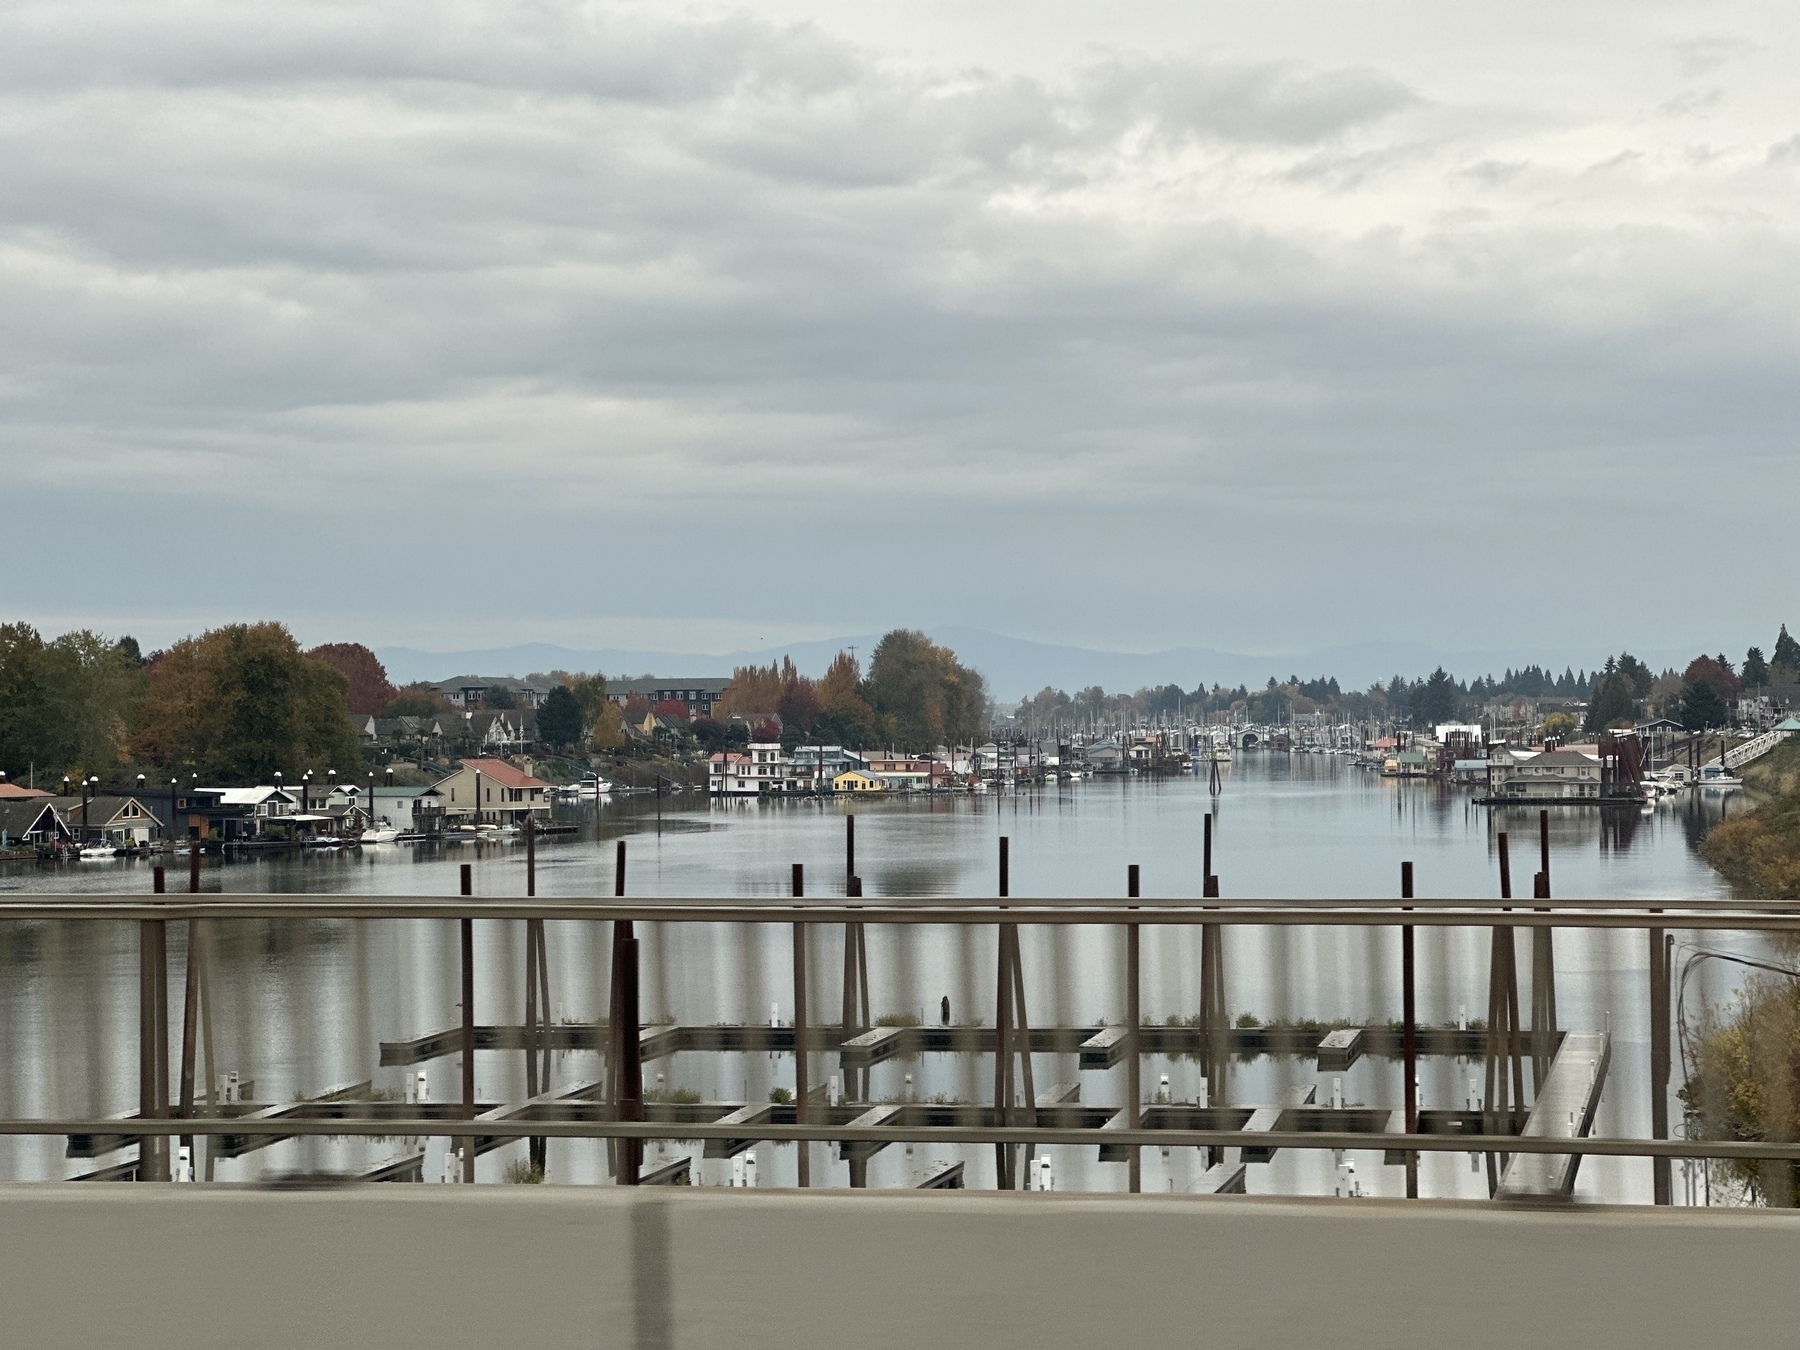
x=1295, y=1033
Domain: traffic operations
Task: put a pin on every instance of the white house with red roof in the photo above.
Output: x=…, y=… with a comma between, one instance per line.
x=491, y=791
x=763, y=770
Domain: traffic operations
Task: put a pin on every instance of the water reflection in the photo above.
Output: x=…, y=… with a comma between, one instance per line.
x=302, y=1008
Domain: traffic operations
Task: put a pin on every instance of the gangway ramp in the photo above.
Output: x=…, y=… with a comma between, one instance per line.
x=1565, y=1107
x=1758, y=746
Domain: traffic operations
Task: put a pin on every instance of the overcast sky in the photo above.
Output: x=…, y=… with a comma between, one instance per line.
x=1259, y=327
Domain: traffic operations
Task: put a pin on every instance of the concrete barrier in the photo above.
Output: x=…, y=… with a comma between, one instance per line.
x=96, y=1266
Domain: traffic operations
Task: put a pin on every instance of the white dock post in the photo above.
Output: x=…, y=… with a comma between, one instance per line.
x=737, y=1170
x=184, y=1164
x=423, y=1094
x=750, y=1171
x=1337, y=1094
x=1045, y=1180
x=834, y=1094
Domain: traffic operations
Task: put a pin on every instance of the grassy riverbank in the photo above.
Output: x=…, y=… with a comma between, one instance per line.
x=1777, y=773
x=1759, y=852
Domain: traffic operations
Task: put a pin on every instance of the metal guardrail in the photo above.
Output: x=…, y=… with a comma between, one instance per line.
x=1440, y=912
x=1134, y=913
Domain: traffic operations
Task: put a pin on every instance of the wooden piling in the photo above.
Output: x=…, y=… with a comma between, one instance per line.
x=800, y=1078
x=1005, y=1155
x=466, y=929
x=1134, y=1042
x=856, y=971
x=1662, y=1178
x=153, y=1045
x=1503, y=1027
x=627, y=1054
x=1543, y=969
x=537, y=1016
x=1214, y=1019
x=1409, y=1034
x=631, y=1068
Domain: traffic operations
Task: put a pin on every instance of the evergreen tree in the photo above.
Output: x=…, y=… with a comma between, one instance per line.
x=1701, y=707
x=1787, y=651
x=1436, y=700
x=1611, y=703
x=1756, y=673
x=559, y=719
x=1640, y=675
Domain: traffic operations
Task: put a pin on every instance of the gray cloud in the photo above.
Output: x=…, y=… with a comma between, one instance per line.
x=349, y=283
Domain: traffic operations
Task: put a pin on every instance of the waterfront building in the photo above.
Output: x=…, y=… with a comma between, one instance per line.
x=901, y=773
x=32, y=823
x=856, y=780
x=762, y=770
x=123, y=822
x=1552, y=776
x=236, y=815
x=397, y=806
x=508, y=795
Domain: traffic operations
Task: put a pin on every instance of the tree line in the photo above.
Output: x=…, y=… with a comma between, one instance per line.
x=917, y=695
x=236, y=703
x=1701, y=696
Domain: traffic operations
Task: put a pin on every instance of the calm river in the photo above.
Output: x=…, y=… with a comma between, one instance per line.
x=303, y=1006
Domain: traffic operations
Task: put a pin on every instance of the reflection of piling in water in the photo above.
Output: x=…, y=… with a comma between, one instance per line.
x=153, y=1039
x=1543, y=970
x=856, y=966
x=537, y=1004
x=1503, y=1023
x=1012, y=1028
x=466, y=932
x=1134, y=1018
x=800, y=1078
x=1208, y=1037
x=625, y=1061
x=1409, y=1032
x=1214, y=1019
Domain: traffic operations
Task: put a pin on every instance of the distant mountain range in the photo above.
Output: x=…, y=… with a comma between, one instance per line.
x=1015, y=667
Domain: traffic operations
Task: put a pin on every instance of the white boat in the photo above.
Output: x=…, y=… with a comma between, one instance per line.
x=98, y=853
x=1718, y=776
x=591, y=787
x=387, y=834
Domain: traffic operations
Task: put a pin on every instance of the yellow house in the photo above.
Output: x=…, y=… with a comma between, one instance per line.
x=855, y=780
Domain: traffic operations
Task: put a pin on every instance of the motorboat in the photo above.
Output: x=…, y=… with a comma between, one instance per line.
x=1718, y=776
x=98, y=853
x=589, y=787
x=386, y=834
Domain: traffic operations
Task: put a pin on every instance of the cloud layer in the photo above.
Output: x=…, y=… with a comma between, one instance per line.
x=754, y=321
